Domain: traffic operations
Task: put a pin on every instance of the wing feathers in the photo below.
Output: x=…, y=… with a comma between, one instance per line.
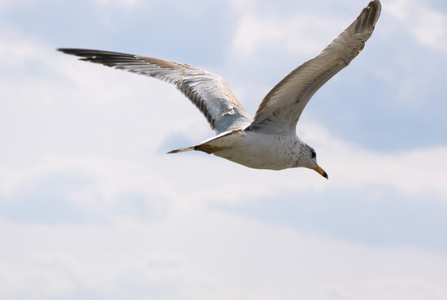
x=281, y=108
x=208, y=91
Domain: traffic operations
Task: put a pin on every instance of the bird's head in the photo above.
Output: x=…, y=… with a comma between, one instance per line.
x=310, y=161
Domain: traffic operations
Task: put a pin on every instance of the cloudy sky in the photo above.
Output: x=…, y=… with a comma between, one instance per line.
x=91, y=207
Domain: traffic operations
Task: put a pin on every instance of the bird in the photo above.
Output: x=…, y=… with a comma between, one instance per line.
x=269, y=140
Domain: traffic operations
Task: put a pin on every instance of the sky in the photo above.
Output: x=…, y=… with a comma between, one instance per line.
x=91, y=207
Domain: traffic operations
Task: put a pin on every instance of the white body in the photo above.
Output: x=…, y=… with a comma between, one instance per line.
x=258, y=150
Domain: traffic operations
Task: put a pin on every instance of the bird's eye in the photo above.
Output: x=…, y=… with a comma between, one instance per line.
x=314, y=154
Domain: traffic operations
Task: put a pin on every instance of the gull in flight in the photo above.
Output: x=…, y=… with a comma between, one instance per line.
x=269, y=140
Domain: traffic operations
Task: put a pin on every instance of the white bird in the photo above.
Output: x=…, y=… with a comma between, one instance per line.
x=268, y=141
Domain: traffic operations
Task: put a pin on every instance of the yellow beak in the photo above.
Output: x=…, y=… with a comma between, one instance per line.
x=321, y=171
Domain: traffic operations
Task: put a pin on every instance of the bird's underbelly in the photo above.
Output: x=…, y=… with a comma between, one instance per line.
x=261, y=151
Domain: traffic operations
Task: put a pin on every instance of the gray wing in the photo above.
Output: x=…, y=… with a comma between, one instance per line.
x=281, y=108
x=208, y=91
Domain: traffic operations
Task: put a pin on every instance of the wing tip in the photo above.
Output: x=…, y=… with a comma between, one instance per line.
x=86, y=54
x=373, y=10
x=70, y=51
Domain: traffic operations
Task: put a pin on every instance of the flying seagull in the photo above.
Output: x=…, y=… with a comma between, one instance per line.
x=269, y=140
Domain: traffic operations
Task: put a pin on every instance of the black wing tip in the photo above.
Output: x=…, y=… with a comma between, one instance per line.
x=86, y=54
x=89, y=53
x=368, y=17
x=65, y=50
x=77, y=51
x=375, y=4
x=373, y=10
x=107, y=58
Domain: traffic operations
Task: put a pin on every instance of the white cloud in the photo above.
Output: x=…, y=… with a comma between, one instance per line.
x=253, y=33
x=301, y=34
x=411, y=172
x=426, y=25
x=205, y=254
x=307, y=33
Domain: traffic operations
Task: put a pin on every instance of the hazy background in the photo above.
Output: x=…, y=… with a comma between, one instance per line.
x=92, y=208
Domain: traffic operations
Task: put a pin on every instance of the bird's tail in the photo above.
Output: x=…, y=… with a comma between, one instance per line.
x=212, y=145
x=186, y=149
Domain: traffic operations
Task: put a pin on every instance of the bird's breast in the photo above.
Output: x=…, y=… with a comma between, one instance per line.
x=263, y=151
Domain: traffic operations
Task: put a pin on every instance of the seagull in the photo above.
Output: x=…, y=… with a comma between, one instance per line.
x=269, y=140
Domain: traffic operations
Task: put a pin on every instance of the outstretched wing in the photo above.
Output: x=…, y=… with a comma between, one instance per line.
x=208, y=91
x=280, y=110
